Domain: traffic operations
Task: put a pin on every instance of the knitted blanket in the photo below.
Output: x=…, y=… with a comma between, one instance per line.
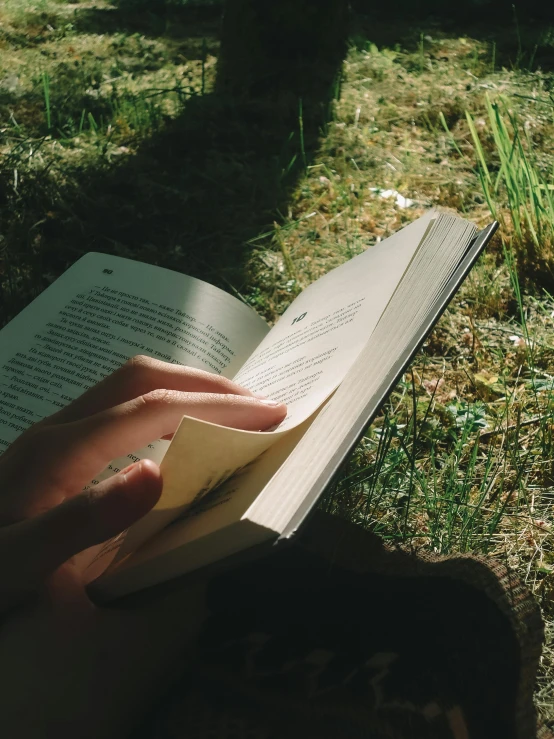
x=340, y=636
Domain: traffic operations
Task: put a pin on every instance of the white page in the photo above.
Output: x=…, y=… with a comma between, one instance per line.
x=98, y=314
x=385, y=352
x=308, y=352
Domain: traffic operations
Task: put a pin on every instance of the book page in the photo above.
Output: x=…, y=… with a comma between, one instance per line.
x=212, y=455
x=101, y=312
x=213, y=527
x=307, y=353
x=371, y=377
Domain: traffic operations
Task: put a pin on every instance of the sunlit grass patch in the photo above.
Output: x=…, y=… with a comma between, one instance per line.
x=519, y=189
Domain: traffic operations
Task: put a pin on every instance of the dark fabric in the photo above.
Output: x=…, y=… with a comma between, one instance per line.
x=339, y=636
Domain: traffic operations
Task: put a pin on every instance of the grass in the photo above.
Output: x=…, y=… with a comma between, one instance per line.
x=516, y=179
x=112, y=138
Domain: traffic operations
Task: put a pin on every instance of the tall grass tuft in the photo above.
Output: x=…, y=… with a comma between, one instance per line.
x=512, y=179
x=46, y=94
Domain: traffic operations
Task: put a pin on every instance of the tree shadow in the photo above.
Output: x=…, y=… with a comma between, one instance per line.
x=200, y=190
x=205, y=186
x=187, y=25
x=193, y=196
x=522, y=35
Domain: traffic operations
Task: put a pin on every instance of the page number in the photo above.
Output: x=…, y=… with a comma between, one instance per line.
x=298, y=318
x=107, y=271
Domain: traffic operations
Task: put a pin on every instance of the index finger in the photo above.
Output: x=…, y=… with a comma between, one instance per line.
x=140, y=376
x=88, y=445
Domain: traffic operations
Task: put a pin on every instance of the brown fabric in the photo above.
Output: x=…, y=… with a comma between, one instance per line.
x=341, y=636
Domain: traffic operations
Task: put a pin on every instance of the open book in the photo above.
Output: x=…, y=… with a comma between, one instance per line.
x=332, y=358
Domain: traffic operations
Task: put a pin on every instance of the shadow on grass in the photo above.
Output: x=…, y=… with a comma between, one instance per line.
x=187, y=24
x=195, y=195
x=522, y=35
x=196, y=192
x=192, y=196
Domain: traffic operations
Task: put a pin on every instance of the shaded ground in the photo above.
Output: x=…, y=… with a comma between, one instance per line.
x=143, y=158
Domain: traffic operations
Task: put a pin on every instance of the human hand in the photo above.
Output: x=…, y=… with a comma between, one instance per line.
x=45, y=520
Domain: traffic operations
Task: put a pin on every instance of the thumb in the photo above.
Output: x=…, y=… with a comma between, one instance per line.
x=32, y=549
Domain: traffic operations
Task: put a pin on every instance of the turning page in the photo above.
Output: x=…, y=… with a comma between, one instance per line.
x=307, y=353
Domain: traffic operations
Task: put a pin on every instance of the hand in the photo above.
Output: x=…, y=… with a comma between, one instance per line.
x=60, y=655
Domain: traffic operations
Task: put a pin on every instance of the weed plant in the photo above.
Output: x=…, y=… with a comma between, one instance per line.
x=519, y=192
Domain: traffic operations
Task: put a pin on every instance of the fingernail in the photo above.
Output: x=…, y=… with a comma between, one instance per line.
x=130, y=471
x=268, y=401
